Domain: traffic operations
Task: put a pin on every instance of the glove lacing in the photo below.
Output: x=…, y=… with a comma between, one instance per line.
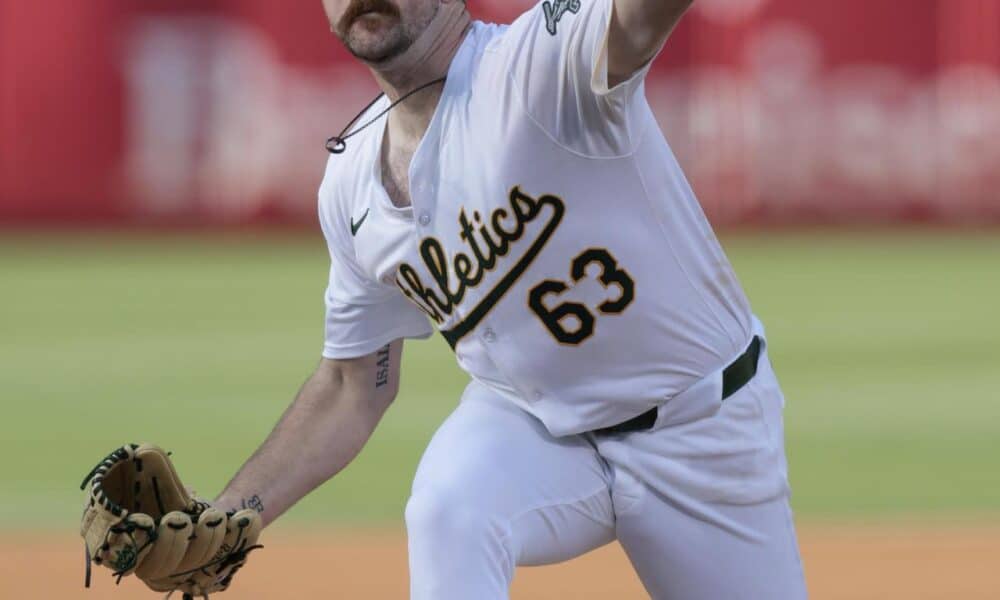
x=127, y=526
x=236, y=557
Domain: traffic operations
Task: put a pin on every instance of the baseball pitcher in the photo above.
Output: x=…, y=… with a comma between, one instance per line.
x=512, y=189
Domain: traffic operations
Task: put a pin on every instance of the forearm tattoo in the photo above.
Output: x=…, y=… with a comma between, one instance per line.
x=382, y=367
x=254, y=502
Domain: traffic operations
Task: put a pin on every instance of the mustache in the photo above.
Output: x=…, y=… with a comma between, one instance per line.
x=360, y=7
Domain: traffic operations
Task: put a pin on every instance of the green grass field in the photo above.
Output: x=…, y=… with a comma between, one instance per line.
x=887, y=344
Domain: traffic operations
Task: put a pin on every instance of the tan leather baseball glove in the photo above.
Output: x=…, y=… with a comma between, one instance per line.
x=140, y=519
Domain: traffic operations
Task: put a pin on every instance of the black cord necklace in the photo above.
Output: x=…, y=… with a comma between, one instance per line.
x=338, y=143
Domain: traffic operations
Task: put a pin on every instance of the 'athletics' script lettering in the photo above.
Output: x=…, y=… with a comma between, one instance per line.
x=488, y=240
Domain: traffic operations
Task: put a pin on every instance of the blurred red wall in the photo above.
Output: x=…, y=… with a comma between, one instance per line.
x=215, y=111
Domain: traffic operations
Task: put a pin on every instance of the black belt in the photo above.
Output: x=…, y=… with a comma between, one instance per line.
x=735, y=376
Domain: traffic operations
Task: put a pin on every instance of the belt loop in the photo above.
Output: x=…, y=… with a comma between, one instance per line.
x=741, y=370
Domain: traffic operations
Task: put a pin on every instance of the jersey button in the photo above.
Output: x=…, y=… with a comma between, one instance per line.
x=425, y=219
x=489, y=335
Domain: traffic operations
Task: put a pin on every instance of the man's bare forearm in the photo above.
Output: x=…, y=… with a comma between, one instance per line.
x=322, y=431
x=638, y=29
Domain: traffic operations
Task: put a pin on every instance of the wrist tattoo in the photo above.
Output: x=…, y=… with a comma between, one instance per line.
x=382, y=367
x=253, y=502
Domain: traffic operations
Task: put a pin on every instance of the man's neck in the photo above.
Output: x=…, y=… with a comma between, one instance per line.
x=427, y=60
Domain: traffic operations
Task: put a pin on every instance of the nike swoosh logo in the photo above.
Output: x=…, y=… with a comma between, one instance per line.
x=356, y=226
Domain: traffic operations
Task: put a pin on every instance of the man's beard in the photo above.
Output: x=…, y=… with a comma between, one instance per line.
x=396, y=40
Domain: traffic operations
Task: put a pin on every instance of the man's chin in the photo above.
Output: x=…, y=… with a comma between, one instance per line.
x=376, y=50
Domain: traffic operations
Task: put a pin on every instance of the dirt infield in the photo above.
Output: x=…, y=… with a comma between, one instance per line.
x=842, y=562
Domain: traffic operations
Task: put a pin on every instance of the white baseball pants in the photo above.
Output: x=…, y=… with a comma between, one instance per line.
x=701, y=509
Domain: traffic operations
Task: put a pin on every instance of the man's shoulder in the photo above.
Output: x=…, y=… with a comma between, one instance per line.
x=358, y=145
x=353, y=168
x=347, y=182
x=339, y=178
x=534, y=38
x=544, y=18
x=495, y=37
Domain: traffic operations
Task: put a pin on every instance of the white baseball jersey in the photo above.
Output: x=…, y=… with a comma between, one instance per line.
x=552, y=238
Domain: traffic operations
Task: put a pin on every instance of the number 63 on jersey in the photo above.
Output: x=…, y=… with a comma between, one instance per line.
x=572, y=323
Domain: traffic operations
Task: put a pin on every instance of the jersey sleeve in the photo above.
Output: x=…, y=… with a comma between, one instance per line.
x=362, y=315
x=557, y=57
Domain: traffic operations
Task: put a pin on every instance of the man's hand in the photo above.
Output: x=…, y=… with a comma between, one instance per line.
x=323, y=430
x=140, y=519
x=638, y=30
